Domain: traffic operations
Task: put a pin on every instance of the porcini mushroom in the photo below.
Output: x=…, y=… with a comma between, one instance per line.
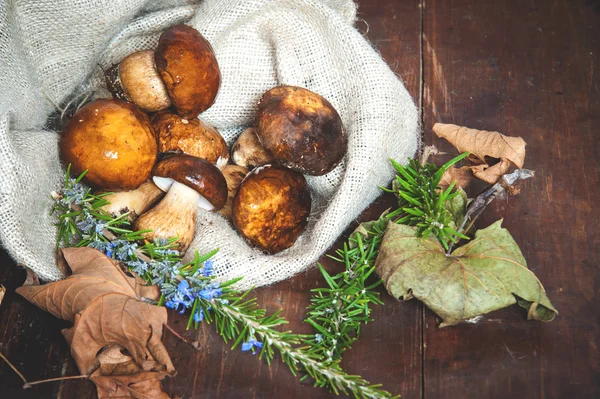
x=133, y=202
x=188, y=67
x=248, y=152
x=191, y=183
x=191, y=137
x=113, y=140
x=271, y=207
x=136, y=79
x=301, y=130
x=234, y=174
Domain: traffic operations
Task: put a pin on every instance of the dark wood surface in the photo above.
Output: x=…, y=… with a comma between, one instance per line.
x=525, y=68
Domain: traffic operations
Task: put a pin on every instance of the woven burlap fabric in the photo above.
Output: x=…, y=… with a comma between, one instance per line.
x=52, y=51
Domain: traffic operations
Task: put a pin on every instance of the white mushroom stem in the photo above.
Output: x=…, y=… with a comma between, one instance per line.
x=175, y=215
x=134, y=202
x=234, y=175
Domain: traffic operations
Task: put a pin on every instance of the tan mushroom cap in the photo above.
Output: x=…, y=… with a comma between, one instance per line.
x=271, y=207
x=191, y=137
x=114, y=141
x=248, y=152
x=301, y=129
x=197, y=174
x=141, y=82
x=188, y=67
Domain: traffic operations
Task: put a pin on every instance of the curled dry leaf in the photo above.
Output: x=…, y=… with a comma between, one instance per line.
x=106, y=308
x=482, y=145
x=486, y=274
x=462, y=176
x=491, y=174
x=119, y=376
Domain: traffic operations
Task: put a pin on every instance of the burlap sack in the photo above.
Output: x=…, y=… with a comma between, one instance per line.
x=51, y=51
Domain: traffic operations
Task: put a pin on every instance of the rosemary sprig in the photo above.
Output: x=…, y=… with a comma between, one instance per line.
x=193, y=287
x=422, y=201
x=338, y=311
x=242, y=320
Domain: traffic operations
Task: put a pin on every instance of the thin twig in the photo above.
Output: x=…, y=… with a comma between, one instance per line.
x=427, y=152
x=193, y=344
x=480, y=202
x=13, y=367
x=30, y=384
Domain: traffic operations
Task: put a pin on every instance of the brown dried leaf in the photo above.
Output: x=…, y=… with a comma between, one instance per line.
x=462, y=176
x=482, y=143
x=2, y=292
x=491, y=174
x=31, y=278
x=142, y=385
x=106, y=309
x=119, y=376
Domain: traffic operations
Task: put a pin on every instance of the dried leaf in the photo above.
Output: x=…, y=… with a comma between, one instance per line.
x=482, y=143
x=462, y=176
x=119, y=376
x=31, y=278
x=106, y=309
x=491, y=174
x=486, y=274
x=142, y=385
x=2, y=292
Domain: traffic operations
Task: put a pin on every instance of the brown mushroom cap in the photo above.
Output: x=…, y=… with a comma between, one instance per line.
x=188, y=66
x=301, y=129
x=191, y=137
x=197, y=174
x=114, y=141
x=271, y=207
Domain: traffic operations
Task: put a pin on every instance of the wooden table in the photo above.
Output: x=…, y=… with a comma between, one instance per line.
x=527, y=68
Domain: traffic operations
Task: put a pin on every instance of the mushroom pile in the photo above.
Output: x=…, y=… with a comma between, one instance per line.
x=163, y=164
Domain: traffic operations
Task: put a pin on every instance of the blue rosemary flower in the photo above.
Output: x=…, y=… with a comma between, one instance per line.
x=207, y=269
x=252, y=345
x=124, y=249
x=73, y=194
x=86, y=224
x=177, y=303
x=99, y=227
x=199, y=315
x=109, y=249
x=183, y=288
x=211, y=292
x=318, y=338
x=103, y=246
x=138, y=266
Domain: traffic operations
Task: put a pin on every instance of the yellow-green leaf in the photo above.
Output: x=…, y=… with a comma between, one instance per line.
x=486, y=274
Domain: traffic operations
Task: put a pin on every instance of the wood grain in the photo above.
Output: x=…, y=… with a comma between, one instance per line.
x=520, y=67
x=525, y=69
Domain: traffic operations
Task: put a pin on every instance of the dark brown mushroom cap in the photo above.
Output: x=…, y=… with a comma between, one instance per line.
x=301, y=130
x=271, y=207
x=197, y=174
x=188, y=66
